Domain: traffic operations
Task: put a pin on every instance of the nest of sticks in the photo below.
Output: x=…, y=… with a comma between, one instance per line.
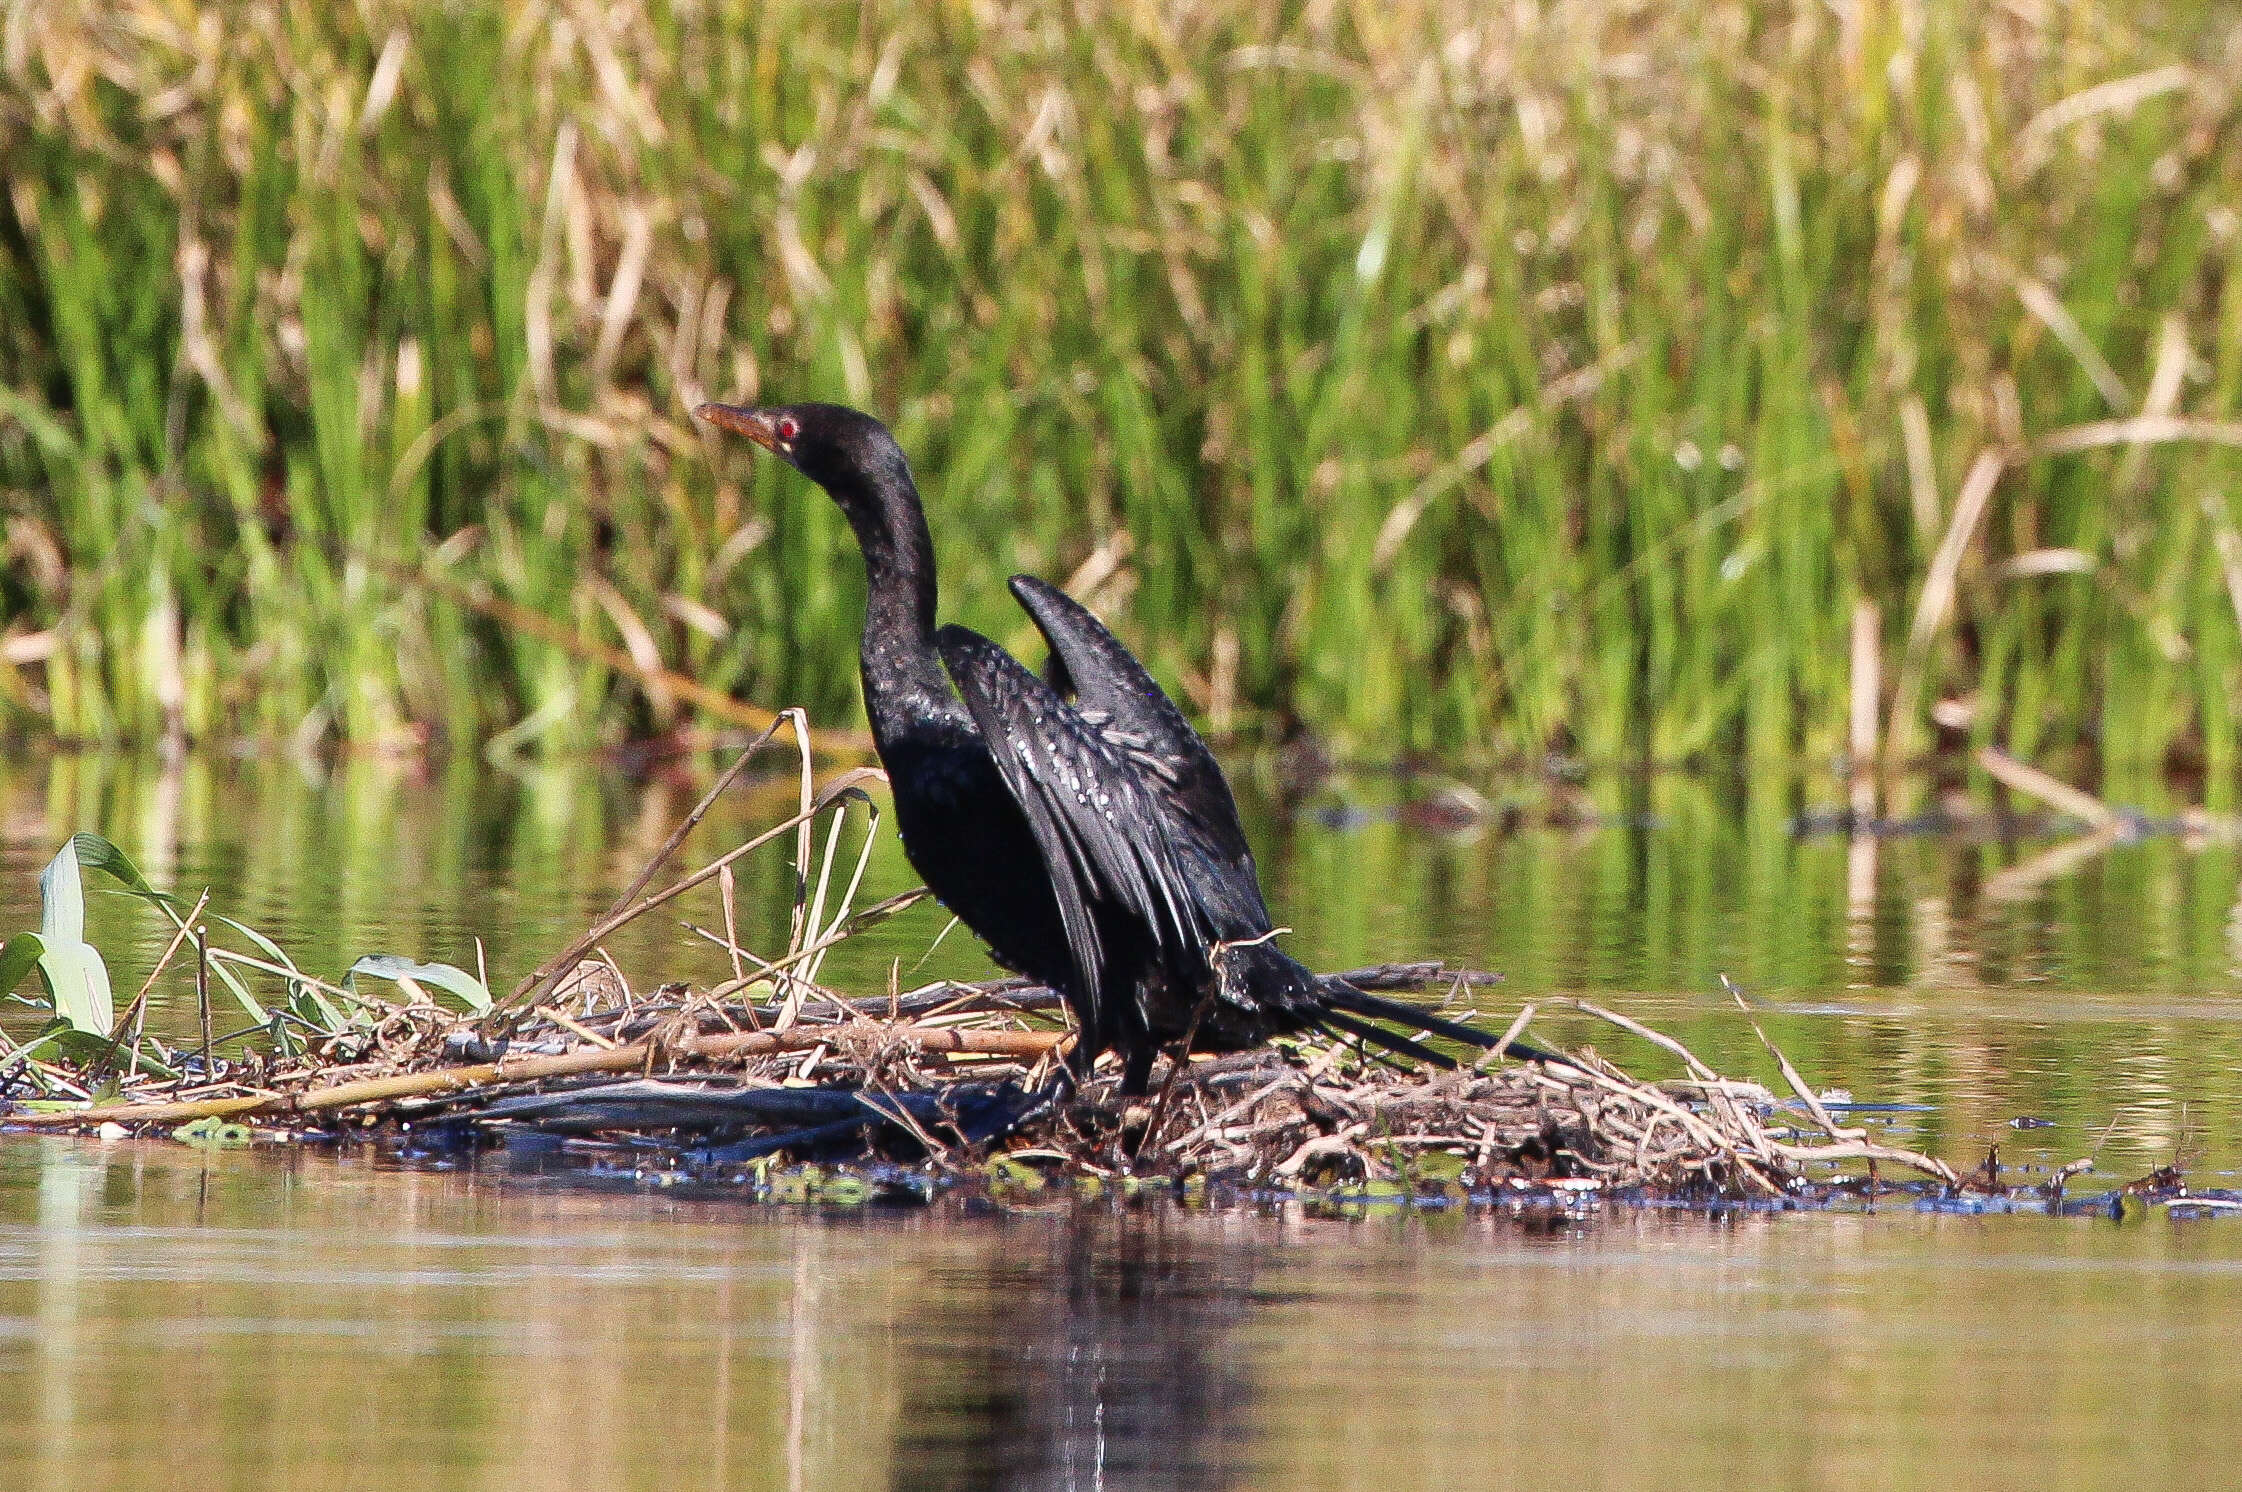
x=963, y=1083
x=948, y=1083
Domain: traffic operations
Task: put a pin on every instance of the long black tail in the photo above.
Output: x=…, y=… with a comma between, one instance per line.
x=1342, y=1000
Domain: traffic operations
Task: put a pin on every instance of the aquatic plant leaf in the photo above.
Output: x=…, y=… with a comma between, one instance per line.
x=213, y=1133
x=62, y=900
x=265, y=945
x=844, y=1191
x=1010, y=1172
x=249, y=1003
x=18, y=957
x=79, y=982
x=95, y=853
x=304, y=999
x=1429, y=1165
x=292, y=989
x=83, y=1050
x=795, y=1185
x=77, y=979
x=314, y=1011
x=443, y=976
x=283, y=1040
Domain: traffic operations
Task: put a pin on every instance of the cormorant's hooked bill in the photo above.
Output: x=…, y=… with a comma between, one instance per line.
x=773, y=431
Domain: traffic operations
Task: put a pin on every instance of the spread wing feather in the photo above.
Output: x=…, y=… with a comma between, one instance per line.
x=1107, y=841
x=1112, y=688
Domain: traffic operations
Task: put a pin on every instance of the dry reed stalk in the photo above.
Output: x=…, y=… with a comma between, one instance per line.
x=636, y=1057
x=124, y=1021
x=1609, y=1127
x=568, y=957
x=727, y=898
x=2042, y=303
x=2140, y=430
x=1867, y=686
x=1937, y=597
x=1806, y=1095
x=2054, y=792
x=2160, y=402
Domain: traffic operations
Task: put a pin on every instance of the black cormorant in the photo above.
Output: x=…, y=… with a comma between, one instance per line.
x=1076, y=822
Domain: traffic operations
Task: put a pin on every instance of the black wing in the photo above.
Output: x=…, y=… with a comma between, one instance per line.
x=1107, y=842
x=1119, y=697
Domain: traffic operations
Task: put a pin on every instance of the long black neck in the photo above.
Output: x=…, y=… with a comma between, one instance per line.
x=905, y=688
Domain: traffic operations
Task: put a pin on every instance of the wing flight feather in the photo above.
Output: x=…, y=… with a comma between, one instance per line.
x=1106, y=840
x=1139, y=718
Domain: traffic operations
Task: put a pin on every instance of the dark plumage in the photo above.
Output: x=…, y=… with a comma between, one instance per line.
x=1076, y=823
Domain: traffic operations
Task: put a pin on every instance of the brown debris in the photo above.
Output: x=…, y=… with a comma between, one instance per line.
x=1298, y=1115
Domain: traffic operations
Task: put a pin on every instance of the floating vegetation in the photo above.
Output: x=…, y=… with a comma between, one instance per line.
x=953, y=1090
x=792, y=1091
x=965, y=1080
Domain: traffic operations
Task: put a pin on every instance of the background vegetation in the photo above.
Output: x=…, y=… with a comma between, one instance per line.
x=1439, y=374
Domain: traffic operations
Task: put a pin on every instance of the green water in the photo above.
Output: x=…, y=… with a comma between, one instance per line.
x=269, y=1320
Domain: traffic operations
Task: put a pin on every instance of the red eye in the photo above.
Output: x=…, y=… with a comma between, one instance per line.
x=787, y=428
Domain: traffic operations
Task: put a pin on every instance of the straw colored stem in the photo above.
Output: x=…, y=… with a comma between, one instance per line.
x=1026, y=1045
x=567, y=958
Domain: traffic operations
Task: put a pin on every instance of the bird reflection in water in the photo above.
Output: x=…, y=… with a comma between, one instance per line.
x=1102, y=1360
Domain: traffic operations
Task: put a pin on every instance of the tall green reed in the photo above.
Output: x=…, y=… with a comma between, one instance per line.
x=1552, y=379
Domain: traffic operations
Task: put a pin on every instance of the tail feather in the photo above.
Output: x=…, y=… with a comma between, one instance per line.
x=1416, y=1051
x=1338, y=995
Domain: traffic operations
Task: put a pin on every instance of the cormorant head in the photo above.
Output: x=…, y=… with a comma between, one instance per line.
x=845, y=451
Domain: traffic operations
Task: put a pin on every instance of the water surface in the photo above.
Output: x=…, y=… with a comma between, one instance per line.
x=280, y=1321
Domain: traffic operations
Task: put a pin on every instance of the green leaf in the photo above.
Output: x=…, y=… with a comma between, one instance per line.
x=265, y=945
x=77, y=979
x=795, y=1185
x=82, y=1049
x=79, y=982
x=316, y=1011
x=844, y=1191
x=443, y=976
x=1436, y=1166
x=62, y=900
x=214, y=1134
x=1007, y=1172
x=51, y=435
x=240, y=992
x=18, y=957
x=283, y=1040
x=96, y=853
x=271, y=950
